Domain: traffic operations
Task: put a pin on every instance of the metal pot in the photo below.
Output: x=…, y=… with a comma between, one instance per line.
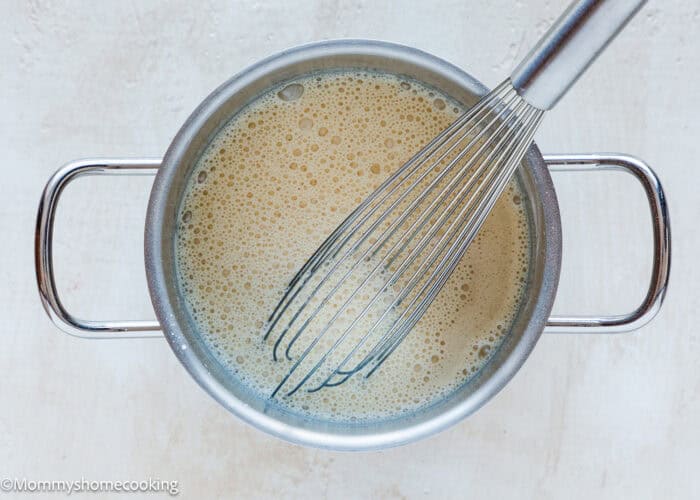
x=173, y=318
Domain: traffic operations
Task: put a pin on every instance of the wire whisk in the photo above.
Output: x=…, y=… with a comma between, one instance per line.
x=364, y=289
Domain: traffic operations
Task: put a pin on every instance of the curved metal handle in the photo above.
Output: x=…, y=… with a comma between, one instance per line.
x=662, y=244
x=569, y=47
x=43, y=252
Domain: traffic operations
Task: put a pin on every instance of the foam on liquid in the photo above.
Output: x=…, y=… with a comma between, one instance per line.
x=277, y=179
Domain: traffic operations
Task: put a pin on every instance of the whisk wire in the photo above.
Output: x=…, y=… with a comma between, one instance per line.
x=480, y=150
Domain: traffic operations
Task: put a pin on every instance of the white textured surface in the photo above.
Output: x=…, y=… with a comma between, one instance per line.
x=587, y=416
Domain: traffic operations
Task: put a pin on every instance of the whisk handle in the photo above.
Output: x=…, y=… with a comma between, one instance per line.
x=569, y=47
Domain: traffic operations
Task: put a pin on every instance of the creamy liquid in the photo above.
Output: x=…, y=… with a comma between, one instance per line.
x=271, y=186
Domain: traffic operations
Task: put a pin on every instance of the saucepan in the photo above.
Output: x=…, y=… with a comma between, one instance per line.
x=175, y=324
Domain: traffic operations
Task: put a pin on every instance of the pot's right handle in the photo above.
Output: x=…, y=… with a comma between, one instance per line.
x=662, y=243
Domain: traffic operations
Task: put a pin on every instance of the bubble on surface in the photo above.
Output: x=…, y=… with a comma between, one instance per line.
x=439, y=103
x=306, y=123
x=291, y=92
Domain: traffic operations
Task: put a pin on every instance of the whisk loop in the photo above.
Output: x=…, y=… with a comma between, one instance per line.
x=358, y=296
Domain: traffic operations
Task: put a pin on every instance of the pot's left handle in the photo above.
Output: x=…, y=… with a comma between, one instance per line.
x=43, y=254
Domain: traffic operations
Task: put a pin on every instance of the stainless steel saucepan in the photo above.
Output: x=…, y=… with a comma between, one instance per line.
x=178, y=328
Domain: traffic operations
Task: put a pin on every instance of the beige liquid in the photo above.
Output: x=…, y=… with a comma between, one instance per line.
x=277, y=179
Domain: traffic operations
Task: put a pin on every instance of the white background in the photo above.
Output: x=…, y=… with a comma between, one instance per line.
x=587, y=416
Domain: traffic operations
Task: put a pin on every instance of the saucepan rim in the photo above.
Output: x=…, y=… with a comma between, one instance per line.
x=159, y=247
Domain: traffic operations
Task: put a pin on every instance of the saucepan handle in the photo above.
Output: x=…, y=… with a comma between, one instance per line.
x=661, y=240
x=556, y=324
x=44, y=256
